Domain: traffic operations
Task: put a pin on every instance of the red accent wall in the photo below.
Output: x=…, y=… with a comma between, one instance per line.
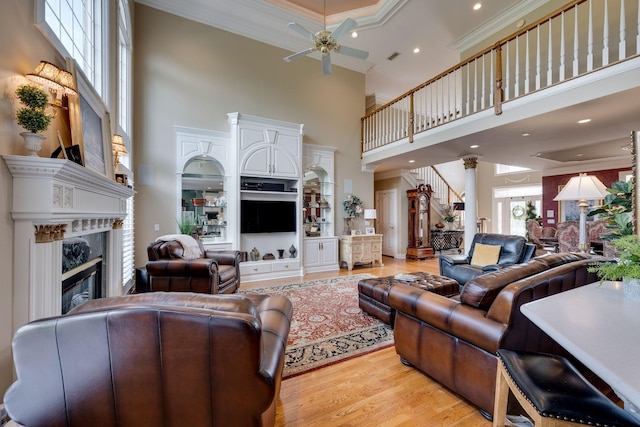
x=550, y=189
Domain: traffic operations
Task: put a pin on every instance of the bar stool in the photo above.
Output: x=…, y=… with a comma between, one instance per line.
x=553, y=393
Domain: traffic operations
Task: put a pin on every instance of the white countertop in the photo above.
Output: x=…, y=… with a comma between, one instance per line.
x=600, y=328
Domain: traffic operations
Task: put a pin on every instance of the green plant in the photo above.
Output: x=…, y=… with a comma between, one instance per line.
x=628, y=265
x=187, y=226
x=448, y=214
x=531, y=211
x=616, y=209
x=32, y=116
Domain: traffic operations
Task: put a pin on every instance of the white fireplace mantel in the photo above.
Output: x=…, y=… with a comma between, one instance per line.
x=55, y=199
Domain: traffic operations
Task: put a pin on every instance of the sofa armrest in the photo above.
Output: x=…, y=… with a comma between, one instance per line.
x=224, y=257
x=275, y=312
x=454, y=259
x=448, y=315
x=199, y=267
x=491, y=267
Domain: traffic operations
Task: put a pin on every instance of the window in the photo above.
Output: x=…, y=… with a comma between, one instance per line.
x=124, y=129
x=75, y=28
x=505, y=169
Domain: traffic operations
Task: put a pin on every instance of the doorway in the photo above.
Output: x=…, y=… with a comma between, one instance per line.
x=387, y=212
x=510, y=208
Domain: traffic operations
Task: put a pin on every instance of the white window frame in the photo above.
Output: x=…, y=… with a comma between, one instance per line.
x=93, y=59
x=501, y=169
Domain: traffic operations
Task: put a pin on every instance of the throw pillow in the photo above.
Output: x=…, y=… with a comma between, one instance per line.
x=485, y=254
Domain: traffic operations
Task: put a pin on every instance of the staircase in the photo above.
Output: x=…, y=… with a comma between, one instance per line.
x=443, y=195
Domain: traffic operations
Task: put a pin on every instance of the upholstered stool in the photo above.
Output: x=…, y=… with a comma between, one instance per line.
x=373, y=294
x=553, y=393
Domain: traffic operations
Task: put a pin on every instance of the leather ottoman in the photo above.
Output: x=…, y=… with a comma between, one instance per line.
x=373, y=294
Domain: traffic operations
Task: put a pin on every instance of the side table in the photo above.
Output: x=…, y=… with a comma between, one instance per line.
x=445, y=239
x=362, y=249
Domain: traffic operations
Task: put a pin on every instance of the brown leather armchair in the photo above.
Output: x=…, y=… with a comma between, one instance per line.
x=156, y=359
x=214, y=272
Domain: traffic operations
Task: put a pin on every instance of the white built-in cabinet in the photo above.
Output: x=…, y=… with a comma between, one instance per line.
x=261, y=159
x=269, y=168
x=320, y=242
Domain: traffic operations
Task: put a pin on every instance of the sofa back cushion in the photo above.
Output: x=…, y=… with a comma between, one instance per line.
x=511, y=246
x=481, y=291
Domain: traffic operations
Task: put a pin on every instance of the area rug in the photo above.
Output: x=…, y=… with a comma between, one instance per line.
x=328, y=326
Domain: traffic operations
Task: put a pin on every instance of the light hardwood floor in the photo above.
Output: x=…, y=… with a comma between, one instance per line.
x=371, y=390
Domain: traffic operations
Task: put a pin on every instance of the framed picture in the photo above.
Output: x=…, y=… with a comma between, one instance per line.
x=90, y=125
x=568, y=210
x=356, y=232
x=369, y=230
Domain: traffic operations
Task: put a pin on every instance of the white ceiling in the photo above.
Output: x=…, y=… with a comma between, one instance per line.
x=441, y=29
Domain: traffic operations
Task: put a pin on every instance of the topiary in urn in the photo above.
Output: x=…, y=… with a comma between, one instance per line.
x=32, y=116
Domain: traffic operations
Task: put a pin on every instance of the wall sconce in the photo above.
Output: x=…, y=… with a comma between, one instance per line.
x=118, y=147
x=58, y=82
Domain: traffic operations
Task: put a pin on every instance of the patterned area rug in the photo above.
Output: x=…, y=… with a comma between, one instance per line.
x=328, y=326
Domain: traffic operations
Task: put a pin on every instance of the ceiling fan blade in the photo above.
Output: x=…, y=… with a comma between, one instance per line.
x=346, y=26
x=357, y=53
x=298, y=55
x=326, y=64
x=301, y=30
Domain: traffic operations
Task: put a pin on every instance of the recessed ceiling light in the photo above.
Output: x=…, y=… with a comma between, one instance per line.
x=354, y=35
x=412, y=161
x=477, y=6
x=474, y=146
x=526, y=134
x=579, y=155
x=584, y=121
x=416, y=50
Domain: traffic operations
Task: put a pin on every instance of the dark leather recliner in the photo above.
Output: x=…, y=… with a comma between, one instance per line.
x=156, y=359
x=216, y=272
x=514, y=250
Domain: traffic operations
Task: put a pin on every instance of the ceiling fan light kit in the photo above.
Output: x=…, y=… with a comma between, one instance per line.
x=326, y=41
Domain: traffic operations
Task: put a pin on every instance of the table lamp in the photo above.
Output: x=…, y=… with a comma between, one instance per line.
x=582, y=188
x=370, y=218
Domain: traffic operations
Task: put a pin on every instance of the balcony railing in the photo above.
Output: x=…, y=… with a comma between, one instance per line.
x=583, y=36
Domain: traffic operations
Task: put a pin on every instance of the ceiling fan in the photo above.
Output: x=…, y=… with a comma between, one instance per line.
x=325, y=41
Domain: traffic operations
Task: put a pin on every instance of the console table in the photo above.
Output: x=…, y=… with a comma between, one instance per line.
x=446, y=239
x=363, y=248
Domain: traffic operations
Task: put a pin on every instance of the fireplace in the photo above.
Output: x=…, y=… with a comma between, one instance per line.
x=53, y=201
x=82, y=273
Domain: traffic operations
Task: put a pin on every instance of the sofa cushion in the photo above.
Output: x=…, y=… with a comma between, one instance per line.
x=481, y=291
x=485, y=255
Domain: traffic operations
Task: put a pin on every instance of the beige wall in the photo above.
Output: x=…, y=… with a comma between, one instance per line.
x=189, y=74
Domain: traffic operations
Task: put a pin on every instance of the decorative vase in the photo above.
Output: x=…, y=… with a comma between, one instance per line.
x=347, y=226
x=451, y=225
x=293, y=251
x=631, y=288
x=280, y=253
x=33, y=142
x=255, y=254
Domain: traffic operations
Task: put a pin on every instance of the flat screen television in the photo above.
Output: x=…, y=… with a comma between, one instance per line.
x=267, y=216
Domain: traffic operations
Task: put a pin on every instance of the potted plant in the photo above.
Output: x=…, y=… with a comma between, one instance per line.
x=187, y=226
x=626, y=268
x=449, y=215
x=616, y=209
x=32, y=116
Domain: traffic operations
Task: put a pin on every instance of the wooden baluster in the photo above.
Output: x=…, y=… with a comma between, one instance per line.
x=622, y=49
x=507, y=82
x=562, y=51
x=550, y=57
x=526, y=64
x=411, y=118
x=516, y=83
x=538, y=57
x=590, y=38
x=605, y=34
x=575, y=42
x=497, y=102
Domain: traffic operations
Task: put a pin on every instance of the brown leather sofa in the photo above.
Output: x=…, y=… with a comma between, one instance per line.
x=155, y=359
x=455, y=340
x=216, y=272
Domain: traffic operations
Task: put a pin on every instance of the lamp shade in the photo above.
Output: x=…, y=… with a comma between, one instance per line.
x=370, y=214
x=582, y=187
x=46, y=74
x=458, y=206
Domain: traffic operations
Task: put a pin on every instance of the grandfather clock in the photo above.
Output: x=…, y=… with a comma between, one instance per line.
x=419, y=244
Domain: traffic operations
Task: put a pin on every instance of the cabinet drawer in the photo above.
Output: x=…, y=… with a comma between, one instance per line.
x=254, y=267
x=294, y=264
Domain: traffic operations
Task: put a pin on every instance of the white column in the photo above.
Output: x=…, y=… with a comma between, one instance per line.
x=470, y=200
